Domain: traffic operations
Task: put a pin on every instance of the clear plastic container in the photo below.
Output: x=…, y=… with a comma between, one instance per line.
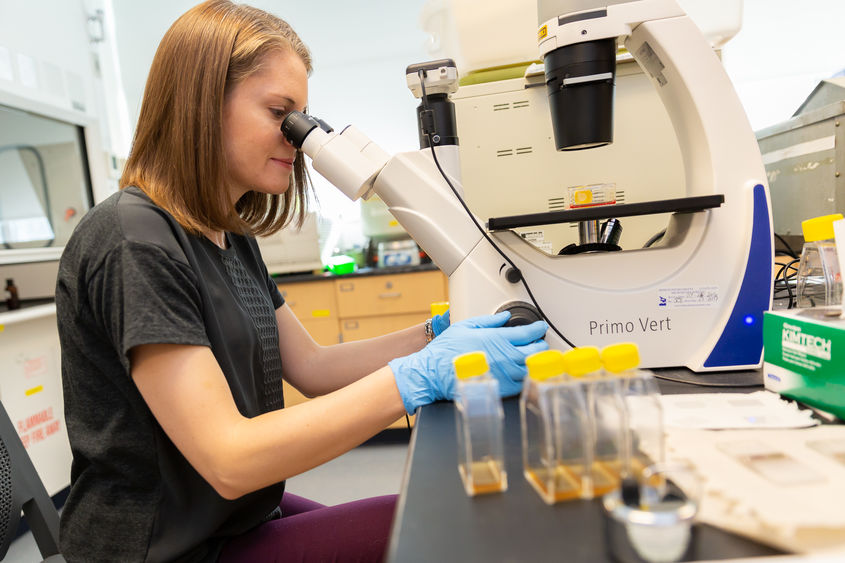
x=819, y=279
x=480, y=418
x=645, y=442
x=607, y=420
x=554, y=421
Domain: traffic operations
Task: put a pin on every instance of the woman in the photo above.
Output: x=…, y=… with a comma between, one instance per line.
x=175, y=340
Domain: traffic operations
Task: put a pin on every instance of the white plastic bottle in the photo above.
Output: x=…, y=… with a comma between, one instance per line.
x=819, y=279
x=480, y=419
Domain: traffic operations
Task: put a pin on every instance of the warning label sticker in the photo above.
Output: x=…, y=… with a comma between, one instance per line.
x=680, y=297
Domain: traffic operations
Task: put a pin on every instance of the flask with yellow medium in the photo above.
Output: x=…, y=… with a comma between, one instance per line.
x=479, y=419
x=606, y=420
x=645, y=440
x=553, y=439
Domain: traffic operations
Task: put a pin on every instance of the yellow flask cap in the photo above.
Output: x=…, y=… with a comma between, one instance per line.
x=439, y=307
x=819, y=228
x=620, y=357
x=545, y=364
x=582, y=360
x=470, y=365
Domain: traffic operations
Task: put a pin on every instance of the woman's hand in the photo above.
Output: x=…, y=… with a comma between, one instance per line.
x=428, y=375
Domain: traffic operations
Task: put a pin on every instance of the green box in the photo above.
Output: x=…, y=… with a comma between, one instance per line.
x=804, y=356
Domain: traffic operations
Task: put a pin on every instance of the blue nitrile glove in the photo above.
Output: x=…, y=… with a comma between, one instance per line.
x=439, y=323
x=428, y=375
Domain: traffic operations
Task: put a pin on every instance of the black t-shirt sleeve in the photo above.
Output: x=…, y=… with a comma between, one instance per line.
x=145, y=296
x=275, y=294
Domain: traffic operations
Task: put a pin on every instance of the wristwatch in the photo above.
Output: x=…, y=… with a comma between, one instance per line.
x=429, y=331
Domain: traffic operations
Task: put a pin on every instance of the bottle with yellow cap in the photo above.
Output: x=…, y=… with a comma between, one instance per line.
x=644, y=443
x=607, y=423
x=819, y=281
x=553, y=438
x=479, y=418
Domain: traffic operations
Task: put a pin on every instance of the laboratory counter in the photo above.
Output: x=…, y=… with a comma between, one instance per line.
x=283, y=279
x=436, y=521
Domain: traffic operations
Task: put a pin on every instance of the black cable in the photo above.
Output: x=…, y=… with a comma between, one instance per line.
x=656, y=237
x=421, y=74
x=785, y=282
x=786, y=244
x=783, y=273
x=786, y=279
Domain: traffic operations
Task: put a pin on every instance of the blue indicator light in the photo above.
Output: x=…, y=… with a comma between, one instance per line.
x=749, y=319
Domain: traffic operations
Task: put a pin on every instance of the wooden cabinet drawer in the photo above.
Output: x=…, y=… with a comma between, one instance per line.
x=292, y=396
x=389, y=294
x=360, y=328
x=311, y=300
x=325, y=332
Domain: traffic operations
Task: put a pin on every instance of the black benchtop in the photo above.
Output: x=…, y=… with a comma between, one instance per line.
x=360, y=272
x=436, y=521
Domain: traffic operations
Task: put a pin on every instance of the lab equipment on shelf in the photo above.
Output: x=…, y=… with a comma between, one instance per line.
x=644, y=442
x=13, y=301
x=555, y=435
x=819, y=278
x=479, y=419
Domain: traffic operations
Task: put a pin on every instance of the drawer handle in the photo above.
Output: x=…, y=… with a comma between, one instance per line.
x=350, y=325
x=390, y=295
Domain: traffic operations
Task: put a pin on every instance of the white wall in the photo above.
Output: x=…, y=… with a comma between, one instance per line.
x=360, y=51
x=784, y=49
x=58, y=73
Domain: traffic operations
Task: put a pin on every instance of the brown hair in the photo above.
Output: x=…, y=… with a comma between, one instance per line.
x=177, y=155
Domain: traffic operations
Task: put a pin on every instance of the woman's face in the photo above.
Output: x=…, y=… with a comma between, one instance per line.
x=258, y=156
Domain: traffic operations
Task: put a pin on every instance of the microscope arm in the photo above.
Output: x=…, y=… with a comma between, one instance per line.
x=409, y=183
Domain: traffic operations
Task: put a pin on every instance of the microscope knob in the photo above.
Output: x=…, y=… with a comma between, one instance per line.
x=513, y=275
x=522, y=313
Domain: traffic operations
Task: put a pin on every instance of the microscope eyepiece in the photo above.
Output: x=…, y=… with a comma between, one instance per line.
x=297, y=125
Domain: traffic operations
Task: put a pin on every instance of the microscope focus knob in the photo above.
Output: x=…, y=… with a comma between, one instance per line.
x=513, y=275
x=522, y=313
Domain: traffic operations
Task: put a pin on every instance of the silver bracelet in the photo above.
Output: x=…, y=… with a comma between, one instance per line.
x=429, y=331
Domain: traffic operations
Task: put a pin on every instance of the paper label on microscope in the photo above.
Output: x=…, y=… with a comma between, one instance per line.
x=538, y=239
x=682, y=297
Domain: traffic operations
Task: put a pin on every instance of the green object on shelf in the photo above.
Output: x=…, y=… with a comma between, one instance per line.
x=339, y=265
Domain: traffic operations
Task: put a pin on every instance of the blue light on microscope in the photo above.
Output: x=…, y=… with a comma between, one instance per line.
x=749, y=319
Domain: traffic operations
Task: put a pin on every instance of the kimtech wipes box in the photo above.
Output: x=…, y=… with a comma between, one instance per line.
x=805, y=356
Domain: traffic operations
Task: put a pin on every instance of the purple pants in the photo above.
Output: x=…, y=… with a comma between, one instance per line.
x=309, y=531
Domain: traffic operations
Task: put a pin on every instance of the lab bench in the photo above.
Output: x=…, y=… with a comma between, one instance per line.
x=363, y=304
x=436, y=521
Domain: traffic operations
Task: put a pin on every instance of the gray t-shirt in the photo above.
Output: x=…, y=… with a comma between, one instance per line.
x=131, y=275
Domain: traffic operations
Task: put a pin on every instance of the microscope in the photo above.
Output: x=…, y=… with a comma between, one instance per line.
x=695, y=299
